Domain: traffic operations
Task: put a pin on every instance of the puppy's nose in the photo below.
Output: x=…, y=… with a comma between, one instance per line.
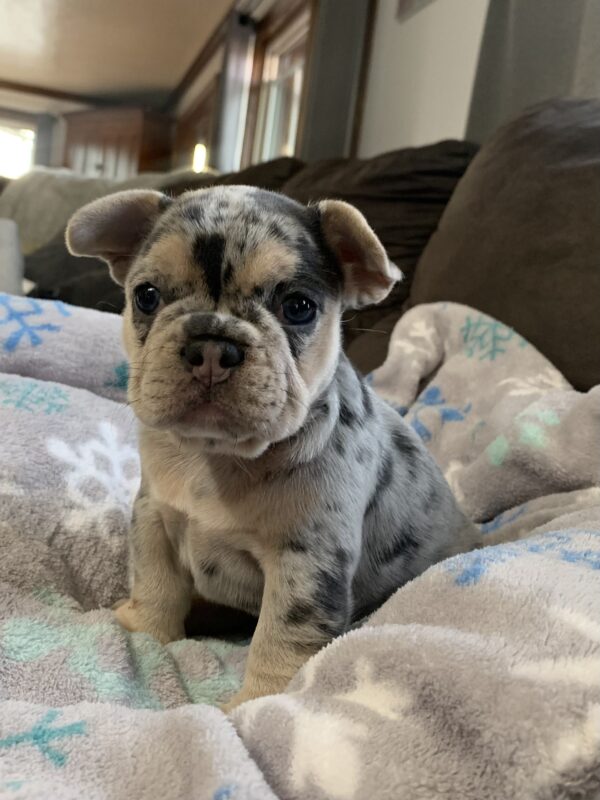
x=212, y=359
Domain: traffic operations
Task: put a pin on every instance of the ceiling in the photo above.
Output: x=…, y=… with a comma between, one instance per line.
x=98, y=47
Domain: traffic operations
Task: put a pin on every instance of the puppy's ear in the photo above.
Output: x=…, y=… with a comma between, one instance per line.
x=113, y=227
x=368, y=274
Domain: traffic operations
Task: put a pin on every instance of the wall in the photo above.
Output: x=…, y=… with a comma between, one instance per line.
x=421, y=74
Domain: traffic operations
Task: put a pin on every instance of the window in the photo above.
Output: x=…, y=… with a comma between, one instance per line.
x=280, y=92
x=16, y=149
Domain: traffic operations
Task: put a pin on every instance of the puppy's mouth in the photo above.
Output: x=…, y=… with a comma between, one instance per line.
x=209, y=414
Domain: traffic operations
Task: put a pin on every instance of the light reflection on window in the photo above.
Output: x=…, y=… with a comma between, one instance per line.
x=16, y=150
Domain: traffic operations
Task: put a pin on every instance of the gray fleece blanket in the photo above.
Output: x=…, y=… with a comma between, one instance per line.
x=480, y=679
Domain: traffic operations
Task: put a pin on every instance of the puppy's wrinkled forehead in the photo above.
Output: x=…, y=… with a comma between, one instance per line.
x=244, y=240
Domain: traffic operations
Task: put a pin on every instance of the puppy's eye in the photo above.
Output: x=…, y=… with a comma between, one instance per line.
x=296, y=309
x=147, y=298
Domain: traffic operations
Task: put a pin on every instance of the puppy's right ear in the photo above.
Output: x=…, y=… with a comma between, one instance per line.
x=113, y=227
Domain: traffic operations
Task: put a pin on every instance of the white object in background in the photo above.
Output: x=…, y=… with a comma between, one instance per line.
x=11, y=258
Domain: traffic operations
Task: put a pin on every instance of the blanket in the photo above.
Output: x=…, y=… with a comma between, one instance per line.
x=479, y=679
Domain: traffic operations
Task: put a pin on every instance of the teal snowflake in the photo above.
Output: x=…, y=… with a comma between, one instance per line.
x=42, y=734
x=487, y=338
x=121, y=376
x=33, y=396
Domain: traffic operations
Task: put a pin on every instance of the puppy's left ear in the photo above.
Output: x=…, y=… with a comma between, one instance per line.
x=368, y=273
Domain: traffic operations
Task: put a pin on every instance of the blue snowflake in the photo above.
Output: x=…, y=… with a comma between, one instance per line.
x=225, y=792
x=24, y=313
x=33, y=396
x=41, y=734
x=487, y=338
x=505, y=518
x=470, y=567
x=432, y=398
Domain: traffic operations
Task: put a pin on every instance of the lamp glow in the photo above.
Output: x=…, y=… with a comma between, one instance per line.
x=200, y=154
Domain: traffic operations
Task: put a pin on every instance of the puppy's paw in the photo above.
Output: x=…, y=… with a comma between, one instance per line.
x=129, y=615
x=251, y=691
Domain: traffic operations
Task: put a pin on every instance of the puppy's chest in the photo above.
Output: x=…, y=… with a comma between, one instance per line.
x=217, y=503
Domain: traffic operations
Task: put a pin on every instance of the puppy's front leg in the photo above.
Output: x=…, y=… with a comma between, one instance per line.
x=160, y=588
x=306, y=603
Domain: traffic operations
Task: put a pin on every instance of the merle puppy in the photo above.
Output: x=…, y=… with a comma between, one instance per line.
x=273, y=479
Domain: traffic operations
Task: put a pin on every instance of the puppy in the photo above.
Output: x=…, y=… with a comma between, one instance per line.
x=274, y=480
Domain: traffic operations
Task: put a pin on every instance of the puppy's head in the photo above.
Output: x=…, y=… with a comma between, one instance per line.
x=234, y=296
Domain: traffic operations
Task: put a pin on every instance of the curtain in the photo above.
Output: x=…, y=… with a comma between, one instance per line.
x=533, y=50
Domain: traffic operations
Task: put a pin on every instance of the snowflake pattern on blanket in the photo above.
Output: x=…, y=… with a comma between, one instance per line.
x=25, y=321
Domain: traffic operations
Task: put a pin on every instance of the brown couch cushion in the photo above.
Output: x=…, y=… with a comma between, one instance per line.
x=268, y=175
x=402, y=194
x=520, y=239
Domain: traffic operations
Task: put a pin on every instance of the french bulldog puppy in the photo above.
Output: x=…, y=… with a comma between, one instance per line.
x=274, y=480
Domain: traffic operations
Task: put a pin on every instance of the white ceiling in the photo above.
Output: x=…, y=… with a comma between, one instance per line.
x=95, y=47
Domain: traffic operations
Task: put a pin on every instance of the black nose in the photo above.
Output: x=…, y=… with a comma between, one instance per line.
x=219, y=352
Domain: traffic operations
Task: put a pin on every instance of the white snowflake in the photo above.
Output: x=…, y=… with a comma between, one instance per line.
x=453, y=472
x=408, y=347
x=102, y=477
x=422, y=330
x=376, y=696
x=11, y=489
x=325, y=750
x=544, y=381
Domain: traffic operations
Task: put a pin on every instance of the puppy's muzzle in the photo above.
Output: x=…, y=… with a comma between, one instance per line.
x=211, y=359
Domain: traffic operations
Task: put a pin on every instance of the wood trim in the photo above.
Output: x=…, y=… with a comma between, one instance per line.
x=216, y=40
x=192, y=111
x=55, y=94
x=308, y=71
x=25, y=117
x=282, y=14
x=364, y=74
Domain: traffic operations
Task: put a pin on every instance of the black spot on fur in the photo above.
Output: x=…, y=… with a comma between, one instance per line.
x=297, y=338
x=300, y=613
x=347, y=416
x=385, y=473
x=331, y=628
x=297, y=545
x=367, y=400
x=338, y=444
x=320, y=407
x=408, y=450
x=209, y=568
x=404, y=543
x=331, y=594
x=164, y=202
x=142, y=327
x=275, y=231
x=192, y=211
x=208, y=253
x=228, y=273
